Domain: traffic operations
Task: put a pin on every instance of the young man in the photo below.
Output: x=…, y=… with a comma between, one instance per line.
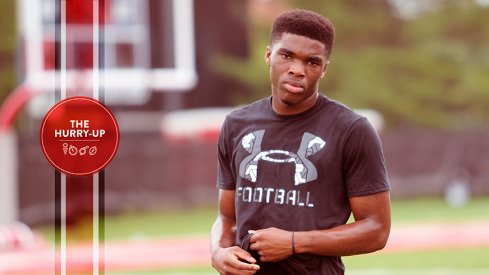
x=294, y=166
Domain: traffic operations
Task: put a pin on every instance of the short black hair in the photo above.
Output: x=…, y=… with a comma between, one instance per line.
x=305, y=23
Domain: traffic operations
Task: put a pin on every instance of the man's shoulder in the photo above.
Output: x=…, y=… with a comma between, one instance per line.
x=250, y=111
x=341, y=113
x=350, y=120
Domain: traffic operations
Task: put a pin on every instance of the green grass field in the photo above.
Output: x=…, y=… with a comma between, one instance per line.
x=170, y=223
x=449, y=262
x=198, y=221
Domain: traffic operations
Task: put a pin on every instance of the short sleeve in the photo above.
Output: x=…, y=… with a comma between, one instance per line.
x=364, y=165
x=225, y=175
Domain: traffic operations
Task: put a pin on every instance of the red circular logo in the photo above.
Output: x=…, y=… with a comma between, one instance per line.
x=79, y=136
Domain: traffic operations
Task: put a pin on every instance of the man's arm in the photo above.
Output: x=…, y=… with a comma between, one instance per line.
x=226, y=257
x=368, y=233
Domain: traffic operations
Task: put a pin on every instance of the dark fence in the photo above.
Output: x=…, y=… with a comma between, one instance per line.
x=151, y=172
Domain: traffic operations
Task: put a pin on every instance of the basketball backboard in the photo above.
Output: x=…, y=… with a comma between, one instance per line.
x=145, y=46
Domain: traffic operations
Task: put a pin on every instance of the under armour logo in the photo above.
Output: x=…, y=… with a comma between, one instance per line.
x=305, y=171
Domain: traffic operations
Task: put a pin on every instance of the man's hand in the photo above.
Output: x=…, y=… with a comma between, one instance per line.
x=230, y=261
x=272, y=244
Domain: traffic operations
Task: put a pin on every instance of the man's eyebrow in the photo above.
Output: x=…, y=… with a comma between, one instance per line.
x=285, y=51
x=312, y=58
x=315, y=59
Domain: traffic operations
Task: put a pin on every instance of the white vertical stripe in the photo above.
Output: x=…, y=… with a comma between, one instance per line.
x=95, y=224
x=95, y=50
x=63, y=96
x=63, y=49
x=95, y=85
x=63, y=224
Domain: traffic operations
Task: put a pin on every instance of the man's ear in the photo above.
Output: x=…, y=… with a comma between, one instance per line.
x=268, y=53
x=325, y=69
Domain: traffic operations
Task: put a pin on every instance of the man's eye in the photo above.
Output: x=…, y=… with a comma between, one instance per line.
x=285, y=56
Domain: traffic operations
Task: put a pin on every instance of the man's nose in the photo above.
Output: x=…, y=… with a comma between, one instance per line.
x=297, y=69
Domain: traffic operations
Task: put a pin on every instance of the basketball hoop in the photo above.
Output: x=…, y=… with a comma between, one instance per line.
x=133, y=36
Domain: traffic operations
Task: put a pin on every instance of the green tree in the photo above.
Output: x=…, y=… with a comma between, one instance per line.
x=426, y=71
x=7, y=47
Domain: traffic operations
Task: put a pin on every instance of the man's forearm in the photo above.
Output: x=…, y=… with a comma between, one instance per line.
x=368, y=233
x=223, y=233
x=360, y=237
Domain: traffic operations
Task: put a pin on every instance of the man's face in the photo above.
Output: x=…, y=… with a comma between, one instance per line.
x=297, y=63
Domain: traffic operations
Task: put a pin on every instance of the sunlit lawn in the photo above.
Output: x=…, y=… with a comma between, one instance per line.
x=436, y=262
x=171, y=223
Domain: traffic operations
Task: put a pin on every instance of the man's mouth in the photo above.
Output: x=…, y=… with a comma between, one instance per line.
x=293, y=87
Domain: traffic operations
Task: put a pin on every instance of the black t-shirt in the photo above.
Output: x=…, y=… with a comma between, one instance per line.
x=297, y=172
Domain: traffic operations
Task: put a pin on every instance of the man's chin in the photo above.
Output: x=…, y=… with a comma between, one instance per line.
x=287, y=102
x=288, y=99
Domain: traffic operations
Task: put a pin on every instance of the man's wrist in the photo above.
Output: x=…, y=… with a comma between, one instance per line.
x=293, y=243
x=300, y=242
